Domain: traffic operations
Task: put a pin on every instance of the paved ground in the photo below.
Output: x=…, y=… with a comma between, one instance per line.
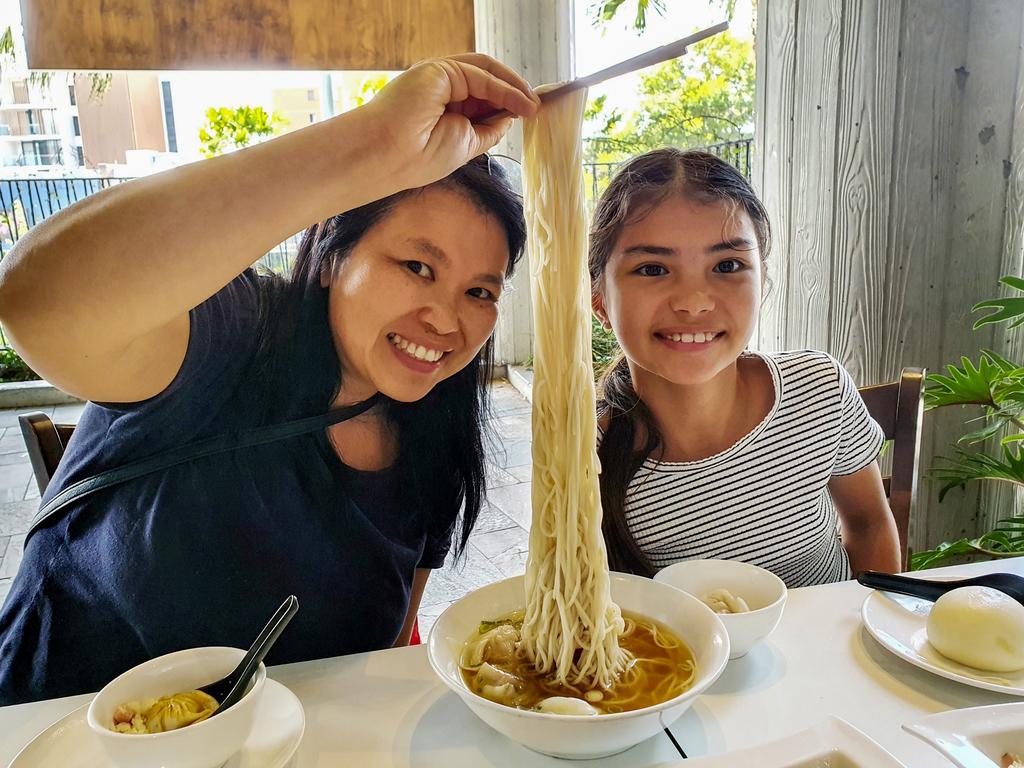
x=496, y=549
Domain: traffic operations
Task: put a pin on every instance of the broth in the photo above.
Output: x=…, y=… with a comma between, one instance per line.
x=661, y=667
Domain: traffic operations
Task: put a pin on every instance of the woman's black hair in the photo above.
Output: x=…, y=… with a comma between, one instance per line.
x=631, y=434
x=441, y=454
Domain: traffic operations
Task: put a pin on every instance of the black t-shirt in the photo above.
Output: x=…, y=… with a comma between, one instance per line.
x=203, y=553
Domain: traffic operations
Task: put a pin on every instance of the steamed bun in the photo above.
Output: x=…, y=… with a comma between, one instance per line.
x=980, y=627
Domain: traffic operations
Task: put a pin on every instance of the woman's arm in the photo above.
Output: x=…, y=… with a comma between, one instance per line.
x=869, y=532
x=419, y=581
x=96, y=298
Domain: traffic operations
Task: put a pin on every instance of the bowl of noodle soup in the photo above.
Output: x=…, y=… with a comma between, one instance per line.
x=705, y=641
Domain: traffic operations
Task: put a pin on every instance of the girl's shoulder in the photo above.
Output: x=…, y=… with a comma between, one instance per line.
x=796, y=362
x=807, y=370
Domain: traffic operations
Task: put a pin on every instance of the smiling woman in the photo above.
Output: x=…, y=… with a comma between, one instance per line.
x=711, y=450
x=344, y=403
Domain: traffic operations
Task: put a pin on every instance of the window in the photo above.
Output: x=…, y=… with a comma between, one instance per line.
x=71, y=94
x=310, y=95
x=312, y=117
x=40, y=153
x=172, y=136
x=78, y=127
x=80, y=156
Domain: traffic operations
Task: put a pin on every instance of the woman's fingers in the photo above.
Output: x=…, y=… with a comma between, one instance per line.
x=496, y=68
x=469, y=81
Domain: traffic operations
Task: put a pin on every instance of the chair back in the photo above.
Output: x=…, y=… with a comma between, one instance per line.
x=45, y=443
x=898, y=407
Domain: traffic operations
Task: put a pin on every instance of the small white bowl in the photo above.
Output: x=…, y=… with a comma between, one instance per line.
x=208, y=744
x=582, y=737
x=762, y=590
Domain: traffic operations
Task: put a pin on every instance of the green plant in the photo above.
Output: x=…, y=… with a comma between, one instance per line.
x=99, y=82
x=603, y=345
x=13, y=368
x=996, y=386
x=228, y=128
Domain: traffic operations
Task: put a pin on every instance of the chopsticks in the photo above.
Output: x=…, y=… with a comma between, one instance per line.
x=654, y=56
x=647, y=59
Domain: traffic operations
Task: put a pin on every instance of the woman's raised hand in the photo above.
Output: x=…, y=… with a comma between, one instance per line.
x=432, y=117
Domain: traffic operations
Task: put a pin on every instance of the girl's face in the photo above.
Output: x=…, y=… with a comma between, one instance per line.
x=682, y=290
x=416, y=299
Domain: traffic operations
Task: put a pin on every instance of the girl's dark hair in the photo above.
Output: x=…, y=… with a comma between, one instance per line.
x=631, y=434
x=441, y=456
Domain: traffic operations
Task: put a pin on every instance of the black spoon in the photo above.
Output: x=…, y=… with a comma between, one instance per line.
x=1007, y=583
x=228, y=690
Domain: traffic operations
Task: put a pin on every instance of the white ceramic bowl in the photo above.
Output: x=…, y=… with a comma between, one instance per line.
x=208, y=744
x=582, y=737
x=762, y=590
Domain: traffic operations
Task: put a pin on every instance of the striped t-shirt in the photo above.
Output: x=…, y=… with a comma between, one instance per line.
x=765, y=500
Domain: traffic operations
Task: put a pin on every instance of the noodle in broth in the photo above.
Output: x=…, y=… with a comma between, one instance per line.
x=660, y=668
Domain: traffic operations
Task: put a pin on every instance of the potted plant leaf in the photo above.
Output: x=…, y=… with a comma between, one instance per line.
x=996, y=386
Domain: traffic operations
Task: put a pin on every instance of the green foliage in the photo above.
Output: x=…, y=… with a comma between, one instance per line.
x=996, y=386
x=13, y=368
x=1005, y=540
x=1006, y=309
x=705, y=97
x=604, y=11
x=99, y=81
x=603, y=345
x=228, y=128
x=370, y=87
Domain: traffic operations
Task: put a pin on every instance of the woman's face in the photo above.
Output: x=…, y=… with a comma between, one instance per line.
x=682, y=290
x=416, y=298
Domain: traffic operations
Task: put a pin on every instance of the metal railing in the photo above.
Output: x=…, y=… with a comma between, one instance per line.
x=26, y=202
x=739, y=154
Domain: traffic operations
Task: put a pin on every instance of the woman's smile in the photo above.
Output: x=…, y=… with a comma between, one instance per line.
x=422, y=358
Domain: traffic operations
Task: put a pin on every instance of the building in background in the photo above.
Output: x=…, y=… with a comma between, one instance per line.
x=38, y=124
x=128, y=116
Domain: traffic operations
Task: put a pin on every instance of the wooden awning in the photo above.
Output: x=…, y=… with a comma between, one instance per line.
x=243, y=34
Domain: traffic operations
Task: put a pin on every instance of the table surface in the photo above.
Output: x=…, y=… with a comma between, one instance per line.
x=387, y=708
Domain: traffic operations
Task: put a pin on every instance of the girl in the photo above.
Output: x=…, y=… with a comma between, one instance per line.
x=140, y=300
x=709, y=450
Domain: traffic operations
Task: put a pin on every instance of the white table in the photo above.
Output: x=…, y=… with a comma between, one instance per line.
x=387, y=709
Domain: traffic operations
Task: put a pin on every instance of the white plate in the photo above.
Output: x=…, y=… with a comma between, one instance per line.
x=899, y=622
x=976, y=737
x=831, y=742
x=276, y=733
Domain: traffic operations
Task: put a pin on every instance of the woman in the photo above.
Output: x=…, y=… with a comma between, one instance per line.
x=140, y=300
x=710, y=450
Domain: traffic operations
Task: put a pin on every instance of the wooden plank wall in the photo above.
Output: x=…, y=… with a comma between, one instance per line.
x=890, y=145
x=257, y=34
x=534, y=37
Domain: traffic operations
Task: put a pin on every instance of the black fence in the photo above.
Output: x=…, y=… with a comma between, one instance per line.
x=737, y=153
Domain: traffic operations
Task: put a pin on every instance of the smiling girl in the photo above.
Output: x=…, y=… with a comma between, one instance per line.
x=140, y=299
x=710, y=450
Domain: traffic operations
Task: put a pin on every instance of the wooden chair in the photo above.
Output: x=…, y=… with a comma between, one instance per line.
x=898, y=408
x=45, y=442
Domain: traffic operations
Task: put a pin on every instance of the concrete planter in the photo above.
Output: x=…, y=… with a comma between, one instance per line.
x=27, y=394
x=521, y=378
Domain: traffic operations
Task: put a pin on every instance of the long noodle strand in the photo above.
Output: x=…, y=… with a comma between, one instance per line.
x=571, y=626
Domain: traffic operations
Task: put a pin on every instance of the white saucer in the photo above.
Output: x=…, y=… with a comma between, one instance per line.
x=899, y=623
x=976, y=737
x=276, y=733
